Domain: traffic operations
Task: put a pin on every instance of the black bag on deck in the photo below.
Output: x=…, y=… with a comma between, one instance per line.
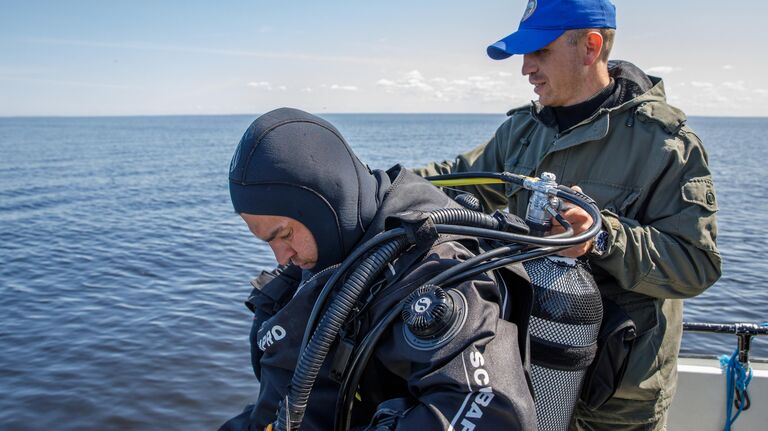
x=614, y=344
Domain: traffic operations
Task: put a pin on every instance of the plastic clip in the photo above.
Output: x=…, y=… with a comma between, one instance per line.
x=341, y=359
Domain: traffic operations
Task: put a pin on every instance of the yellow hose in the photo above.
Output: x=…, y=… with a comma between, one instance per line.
x=466, y=182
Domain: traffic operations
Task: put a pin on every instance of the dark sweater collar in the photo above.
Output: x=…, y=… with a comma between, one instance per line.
x=569, y=116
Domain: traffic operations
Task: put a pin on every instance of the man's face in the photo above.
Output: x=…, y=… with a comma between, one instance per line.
x=557, y=73
x=289, y=240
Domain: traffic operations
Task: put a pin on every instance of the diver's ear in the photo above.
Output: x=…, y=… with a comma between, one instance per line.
x=593, y=42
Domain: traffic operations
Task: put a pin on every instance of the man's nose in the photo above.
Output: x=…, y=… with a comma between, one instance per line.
x=283, y=253
x=529, y=66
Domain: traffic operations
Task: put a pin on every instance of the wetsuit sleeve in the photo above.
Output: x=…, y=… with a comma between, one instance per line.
x=488, y=157
x=475, y=381
x=670, y=252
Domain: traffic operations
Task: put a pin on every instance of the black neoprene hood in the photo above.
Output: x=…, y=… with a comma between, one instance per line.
x=293, y=164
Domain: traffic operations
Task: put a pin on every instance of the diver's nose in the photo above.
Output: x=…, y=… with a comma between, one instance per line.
x=283, y=253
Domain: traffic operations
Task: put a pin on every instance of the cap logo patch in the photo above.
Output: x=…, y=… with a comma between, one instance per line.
x=529, y=10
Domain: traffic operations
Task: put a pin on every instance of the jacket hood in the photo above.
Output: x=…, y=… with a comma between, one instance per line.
x=293, y=164
x=645, y=94
x=632, y=82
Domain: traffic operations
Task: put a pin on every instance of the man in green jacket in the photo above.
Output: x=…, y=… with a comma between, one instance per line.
x=607, y=128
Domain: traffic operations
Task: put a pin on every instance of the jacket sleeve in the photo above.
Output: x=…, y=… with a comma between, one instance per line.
x=669, y=251
x=474, y=382
x=488, y=157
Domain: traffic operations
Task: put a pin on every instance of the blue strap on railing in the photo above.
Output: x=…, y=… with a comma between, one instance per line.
x=737, y=380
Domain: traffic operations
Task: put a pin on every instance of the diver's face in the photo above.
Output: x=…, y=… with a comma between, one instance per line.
x=289, y=240
x=557, y=73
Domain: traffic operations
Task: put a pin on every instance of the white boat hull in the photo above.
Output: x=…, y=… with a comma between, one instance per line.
x=700, y=400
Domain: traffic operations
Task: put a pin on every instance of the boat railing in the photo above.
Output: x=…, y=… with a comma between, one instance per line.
x=744, y=331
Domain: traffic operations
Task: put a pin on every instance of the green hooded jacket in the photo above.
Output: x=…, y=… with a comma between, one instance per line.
x=647, y=171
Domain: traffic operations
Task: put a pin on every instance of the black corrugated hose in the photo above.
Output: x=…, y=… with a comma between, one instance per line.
x=339, y=310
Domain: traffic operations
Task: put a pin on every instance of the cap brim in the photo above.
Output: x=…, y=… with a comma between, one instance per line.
x=522, y=42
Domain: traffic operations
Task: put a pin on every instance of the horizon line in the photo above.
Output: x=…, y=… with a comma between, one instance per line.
x=5, y=117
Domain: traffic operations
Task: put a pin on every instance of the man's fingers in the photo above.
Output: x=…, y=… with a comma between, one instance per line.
x=577, y=217
x=579, y=220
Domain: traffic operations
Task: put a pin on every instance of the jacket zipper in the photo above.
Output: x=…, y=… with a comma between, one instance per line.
x=310, y=279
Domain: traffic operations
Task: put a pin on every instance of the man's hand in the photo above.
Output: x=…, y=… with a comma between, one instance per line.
x=580, y=220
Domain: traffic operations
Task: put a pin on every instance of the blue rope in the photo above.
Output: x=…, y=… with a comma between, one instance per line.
x=737, y=380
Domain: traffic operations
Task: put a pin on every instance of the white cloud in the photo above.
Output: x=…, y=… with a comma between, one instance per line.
x=412, y=80
x=264, y=85
x=727, y=67
x=738, y=85
x=700, y=84
x=486, y=88
x=306, y=90
x=265, y=29
x=663, y=70
x=261, y=85
x=343, y=87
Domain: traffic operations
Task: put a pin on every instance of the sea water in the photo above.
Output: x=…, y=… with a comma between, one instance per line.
x=123, y=268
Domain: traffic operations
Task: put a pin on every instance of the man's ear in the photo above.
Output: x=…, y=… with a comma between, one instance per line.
x=593, y=43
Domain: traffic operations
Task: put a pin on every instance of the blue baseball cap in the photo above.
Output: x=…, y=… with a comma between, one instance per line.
x=545, y=20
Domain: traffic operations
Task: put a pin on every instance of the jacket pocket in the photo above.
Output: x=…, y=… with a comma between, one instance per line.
x=641, y=309
x=700, y=191
x=614, y=198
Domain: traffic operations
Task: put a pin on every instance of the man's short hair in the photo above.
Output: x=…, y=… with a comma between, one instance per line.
x=574, y=36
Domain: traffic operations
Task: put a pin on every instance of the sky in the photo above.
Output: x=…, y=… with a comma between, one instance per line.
x=94, y=58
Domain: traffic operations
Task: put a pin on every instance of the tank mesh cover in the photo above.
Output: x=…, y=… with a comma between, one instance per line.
x=563, y=327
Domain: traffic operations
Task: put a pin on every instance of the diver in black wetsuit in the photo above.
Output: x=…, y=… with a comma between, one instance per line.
x=299, y=187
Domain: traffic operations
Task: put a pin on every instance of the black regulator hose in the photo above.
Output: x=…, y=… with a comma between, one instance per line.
x=464, y=217
x=476, y=260
x=292, y=409
x=494, y=264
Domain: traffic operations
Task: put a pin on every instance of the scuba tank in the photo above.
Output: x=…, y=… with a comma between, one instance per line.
x=564, y=324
